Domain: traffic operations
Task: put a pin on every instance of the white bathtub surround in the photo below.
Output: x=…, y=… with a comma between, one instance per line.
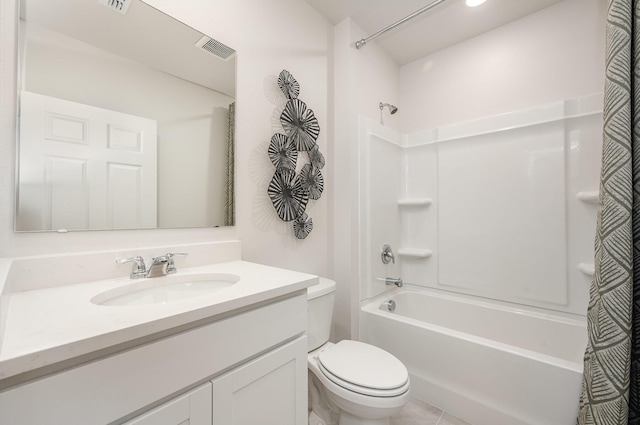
x=489, y=364
x=499, y=207
x=47, y=323
x=382, y=174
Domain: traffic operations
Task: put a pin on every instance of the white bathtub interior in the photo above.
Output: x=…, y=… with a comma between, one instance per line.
x=547, y=334
x=485, y=363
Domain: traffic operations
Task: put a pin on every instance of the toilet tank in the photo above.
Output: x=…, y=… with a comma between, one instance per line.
x=320, y=312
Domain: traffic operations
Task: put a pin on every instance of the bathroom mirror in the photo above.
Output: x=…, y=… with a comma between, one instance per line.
x=125, y=119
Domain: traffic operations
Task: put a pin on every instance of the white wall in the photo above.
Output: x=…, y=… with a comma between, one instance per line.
x=552, y=55
x=362, y=79
x=268, y=37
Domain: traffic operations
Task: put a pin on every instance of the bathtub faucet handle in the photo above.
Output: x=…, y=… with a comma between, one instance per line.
x=387, y=254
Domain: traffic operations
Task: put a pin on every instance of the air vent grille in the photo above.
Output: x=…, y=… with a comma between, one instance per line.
x=216, y=48
x=120, y=6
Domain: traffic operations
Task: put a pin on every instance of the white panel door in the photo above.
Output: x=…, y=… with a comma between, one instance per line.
x=83, y=167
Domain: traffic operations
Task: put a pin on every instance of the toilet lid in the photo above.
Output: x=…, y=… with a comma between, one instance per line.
x=363, y=366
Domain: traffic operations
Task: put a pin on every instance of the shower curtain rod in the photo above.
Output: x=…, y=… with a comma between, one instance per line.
x=361, y=43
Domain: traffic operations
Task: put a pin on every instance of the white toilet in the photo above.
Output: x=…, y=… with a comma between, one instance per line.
x=350, y=382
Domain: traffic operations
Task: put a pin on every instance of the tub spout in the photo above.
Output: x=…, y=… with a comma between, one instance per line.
x=393, y=281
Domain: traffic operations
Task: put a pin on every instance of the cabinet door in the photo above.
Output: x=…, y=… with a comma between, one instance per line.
x=193, y=408
x=270, y=390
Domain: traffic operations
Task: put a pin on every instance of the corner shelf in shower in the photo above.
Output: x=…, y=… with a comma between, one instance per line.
x=590, y=197
x=587, y=268
x=415, y=253
x=414, y=202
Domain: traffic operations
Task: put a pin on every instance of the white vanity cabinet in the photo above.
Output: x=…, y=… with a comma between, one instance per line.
x=271, y=390
x=252, y=362
x=193, y=408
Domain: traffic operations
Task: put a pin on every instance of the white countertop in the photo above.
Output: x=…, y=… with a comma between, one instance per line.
x=48, y=326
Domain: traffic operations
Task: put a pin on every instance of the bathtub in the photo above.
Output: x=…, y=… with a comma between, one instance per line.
x=487, y=363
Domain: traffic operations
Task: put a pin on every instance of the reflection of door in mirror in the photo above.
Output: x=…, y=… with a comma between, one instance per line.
x=83, y=167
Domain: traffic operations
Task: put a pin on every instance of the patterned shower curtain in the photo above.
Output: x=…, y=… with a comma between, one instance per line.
x=610, y=387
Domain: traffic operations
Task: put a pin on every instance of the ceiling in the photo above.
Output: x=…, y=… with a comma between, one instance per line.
x=447, y=24
x=144, y=35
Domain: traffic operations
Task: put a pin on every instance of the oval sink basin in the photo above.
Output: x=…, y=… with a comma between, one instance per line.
x=164, y=289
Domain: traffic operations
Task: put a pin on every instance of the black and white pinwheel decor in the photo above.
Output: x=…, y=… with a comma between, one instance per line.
x=282, y=152
x=315, y=157
x=290, y=192
x=302, y=226
x=288, y=85
x=288, y=196
x=300, y=124
x=311, y=179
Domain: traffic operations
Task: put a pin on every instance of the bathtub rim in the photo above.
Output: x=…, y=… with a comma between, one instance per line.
x=511, y=307
x=372, y=306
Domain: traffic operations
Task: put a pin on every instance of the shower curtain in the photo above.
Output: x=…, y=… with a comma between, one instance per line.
x=610, y=387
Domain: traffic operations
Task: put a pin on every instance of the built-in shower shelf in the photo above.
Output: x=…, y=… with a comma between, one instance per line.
x=415, y=253
x=591, y=197
x=414, y=202
x=587, y=268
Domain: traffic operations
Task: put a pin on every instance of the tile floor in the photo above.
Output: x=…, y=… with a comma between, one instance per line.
x=417, y=412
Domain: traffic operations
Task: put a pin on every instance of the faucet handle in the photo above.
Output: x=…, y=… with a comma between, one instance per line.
x=171, y=266
x=387, y=254
x=139, y=269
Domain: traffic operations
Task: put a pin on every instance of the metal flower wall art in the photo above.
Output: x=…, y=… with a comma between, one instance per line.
x=290, y=189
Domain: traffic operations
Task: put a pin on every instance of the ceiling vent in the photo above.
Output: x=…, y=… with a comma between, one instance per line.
x=120, y=6
x=215, y=48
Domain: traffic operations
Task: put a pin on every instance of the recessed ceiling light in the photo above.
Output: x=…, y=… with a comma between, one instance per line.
x=474, y=3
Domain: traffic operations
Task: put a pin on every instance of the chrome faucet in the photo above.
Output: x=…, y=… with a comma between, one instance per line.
x=389, y=281
x=140, y=270
x=393, y=281
x=165, y=262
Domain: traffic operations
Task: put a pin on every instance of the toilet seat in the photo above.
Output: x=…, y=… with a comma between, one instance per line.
x=364, y=369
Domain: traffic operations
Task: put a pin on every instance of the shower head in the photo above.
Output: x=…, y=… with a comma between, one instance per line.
x=392, y=108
